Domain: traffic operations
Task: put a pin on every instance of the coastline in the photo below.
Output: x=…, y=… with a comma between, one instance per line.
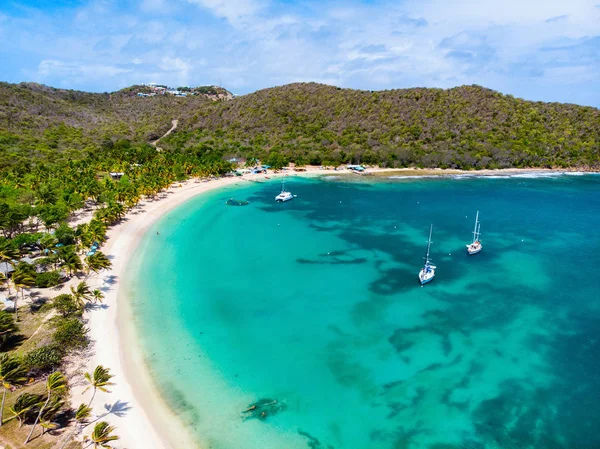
x=135, y=406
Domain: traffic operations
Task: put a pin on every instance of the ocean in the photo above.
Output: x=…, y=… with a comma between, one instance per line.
x=314, y=308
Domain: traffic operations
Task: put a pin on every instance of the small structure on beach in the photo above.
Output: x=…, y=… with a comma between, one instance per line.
x=6, y=268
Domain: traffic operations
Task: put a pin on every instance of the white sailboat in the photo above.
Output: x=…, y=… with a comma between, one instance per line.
x=284, y=195
x=427, y=273
x=475, y=246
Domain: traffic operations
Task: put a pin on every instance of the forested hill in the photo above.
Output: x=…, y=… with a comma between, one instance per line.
x=464, y=127
x=43, y=123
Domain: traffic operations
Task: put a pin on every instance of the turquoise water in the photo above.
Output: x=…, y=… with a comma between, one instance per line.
x=316, y=304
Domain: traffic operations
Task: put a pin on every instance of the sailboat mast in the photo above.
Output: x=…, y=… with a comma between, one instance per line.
x=476, y=227
x=428, y=245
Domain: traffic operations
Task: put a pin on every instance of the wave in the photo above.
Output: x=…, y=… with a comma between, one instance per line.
x=520, y=175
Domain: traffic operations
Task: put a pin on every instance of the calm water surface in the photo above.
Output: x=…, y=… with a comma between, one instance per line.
x=316, y=304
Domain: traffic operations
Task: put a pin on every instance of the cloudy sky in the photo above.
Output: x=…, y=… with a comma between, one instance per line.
x=536, y=49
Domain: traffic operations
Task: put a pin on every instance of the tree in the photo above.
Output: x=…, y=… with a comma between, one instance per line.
x=66, y=305
x=70, y=260
x=7, y=251
x=97, y=295
x=81, y=293
x=55, y=384
x=22, y=279
x=82, y=414
x=97, y=262
x=7, y=254
x=7, y=327
x=24, y=405
x=99, y=380
x=101, y=436
x=12, y=372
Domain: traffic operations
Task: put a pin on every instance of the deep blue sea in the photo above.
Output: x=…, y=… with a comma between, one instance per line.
x=316, y=304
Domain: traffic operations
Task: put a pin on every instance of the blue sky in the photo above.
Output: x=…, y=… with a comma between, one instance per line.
x=536, y=49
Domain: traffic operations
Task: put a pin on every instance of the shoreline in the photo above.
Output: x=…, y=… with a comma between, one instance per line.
x=135, y=406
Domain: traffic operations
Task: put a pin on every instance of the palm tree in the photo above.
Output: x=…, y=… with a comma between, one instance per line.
x=97, y=262
x=50, y=413
x=25, y=403
x=22, y=279
x=56, y=383
x=81, y=293
x=12, y=372
x=8, y=327
x=71, y=261
x=99, y=380
x=101, y=435
x=82, y=413
x=7, y=251
x=97, y=295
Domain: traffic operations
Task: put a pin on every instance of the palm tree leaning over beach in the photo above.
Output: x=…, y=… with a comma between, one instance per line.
x=99, y=380
x=82, y=413
x=101, y=435
x=55, y=384
x=12, y=372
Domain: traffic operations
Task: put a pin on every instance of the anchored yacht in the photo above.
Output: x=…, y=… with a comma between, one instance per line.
x=284, y=195
x=427, y=273
x=475, y=246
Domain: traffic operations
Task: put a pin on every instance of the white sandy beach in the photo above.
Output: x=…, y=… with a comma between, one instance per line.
x=133, y=406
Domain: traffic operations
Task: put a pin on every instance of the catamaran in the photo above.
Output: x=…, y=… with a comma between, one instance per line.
x=427, y=273
x=475, y=246
x=284, y=195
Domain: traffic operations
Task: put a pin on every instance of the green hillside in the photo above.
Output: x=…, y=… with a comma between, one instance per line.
x=465, y=127
x=43, y=123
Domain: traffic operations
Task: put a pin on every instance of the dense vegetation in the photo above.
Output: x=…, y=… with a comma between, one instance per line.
x=465, y=127
x=39, y=123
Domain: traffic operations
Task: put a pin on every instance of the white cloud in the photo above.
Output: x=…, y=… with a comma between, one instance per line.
x=381, y=44
x=52, y=67
x=232, y=10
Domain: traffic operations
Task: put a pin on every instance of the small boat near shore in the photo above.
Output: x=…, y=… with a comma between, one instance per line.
x=475, y=246
x=427, y=273
x=284, y=195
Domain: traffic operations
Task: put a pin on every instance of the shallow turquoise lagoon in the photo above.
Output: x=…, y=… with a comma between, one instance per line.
x=316, y=303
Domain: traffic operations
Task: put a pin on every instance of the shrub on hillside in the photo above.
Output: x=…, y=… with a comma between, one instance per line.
x=48, y=279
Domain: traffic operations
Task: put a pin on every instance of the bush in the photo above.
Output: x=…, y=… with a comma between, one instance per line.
x=71, y=334
x=43, y=359
x=65, y=305
x=48, y=279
